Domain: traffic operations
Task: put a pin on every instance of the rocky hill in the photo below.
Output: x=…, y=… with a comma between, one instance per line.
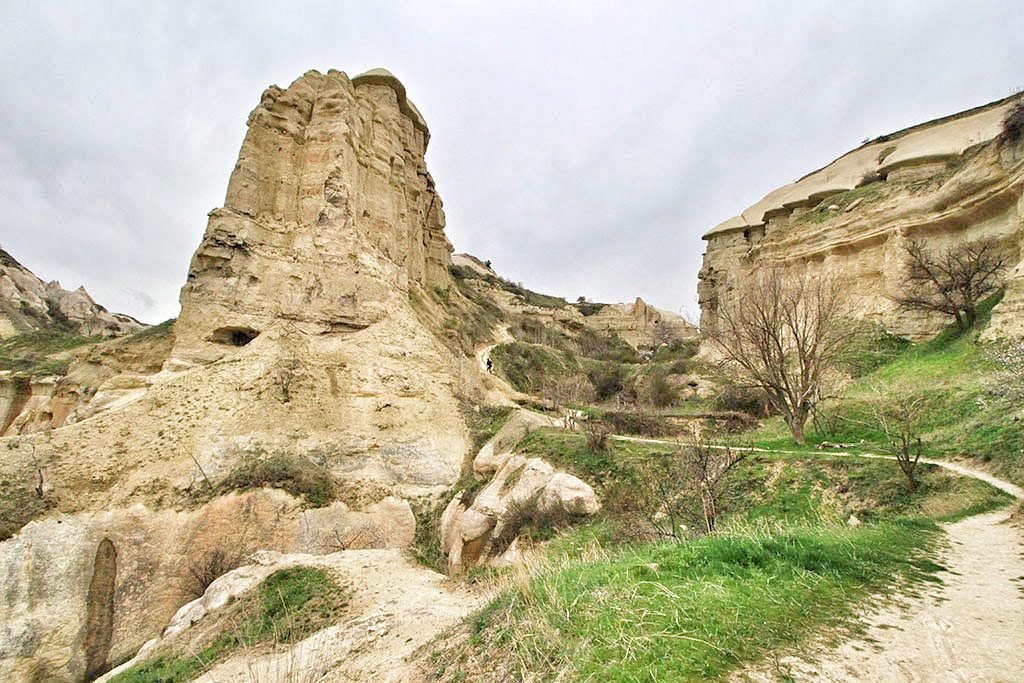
x=952, y=180
x=27, y=303
x=320, y=384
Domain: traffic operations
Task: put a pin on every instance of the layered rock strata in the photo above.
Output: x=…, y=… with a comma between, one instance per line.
x=947, y=181
x=296, y=338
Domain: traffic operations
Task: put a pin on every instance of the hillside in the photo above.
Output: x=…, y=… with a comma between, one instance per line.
x=951, y=181
x=356, y=455
x=319, y=390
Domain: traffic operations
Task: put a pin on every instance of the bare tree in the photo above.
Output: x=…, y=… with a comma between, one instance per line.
x=685, y=485
x=707, y=466
x=952, y=281
x=782, y=334
x=900, y=418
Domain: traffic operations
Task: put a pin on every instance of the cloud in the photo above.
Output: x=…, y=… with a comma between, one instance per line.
x=582, y=148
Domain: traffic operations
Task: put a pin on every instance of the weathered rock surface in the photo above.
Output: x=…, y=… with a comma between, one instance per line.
x=27, y=303
x=946, y=181
x=394, y=609
x=483, y=529
x=48, y=569
x=641, y=325
x=296, y=338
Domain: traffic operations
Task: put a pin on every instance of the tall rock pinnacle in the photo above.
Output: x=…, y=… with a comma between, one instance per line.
x=330, y=213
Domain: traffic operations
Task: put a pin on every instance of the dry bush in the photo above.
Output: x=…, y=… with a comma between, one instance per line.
x=596, y=433
x=953, y=281
x=1013, y=124
x=208, y=567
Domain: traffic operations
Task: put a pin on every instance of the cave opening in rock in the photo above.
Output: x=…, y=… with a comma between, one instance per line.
x=234, y=336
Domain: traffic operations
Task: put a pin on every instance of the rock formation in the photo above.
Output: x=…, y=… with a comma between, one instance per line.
x=296, y=338
x=641, y=325
x=330, y=214
x=483, y=529
x=946, y=181
x=27, y=303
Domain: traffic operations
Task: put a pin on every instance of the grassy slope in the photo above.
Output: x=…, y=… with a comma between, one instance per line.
x=953, y=373
x=784, y=567
x=289, y=605
x=42, y=352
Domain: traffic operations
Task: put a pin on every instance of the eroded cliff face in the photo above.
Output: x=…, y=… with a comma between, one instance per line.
x=947, y=182
x=330, y=215
x=296, y=338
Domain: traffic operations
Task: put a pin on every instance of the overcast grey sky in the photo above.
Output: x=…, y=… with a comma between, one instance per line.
x=583, y=147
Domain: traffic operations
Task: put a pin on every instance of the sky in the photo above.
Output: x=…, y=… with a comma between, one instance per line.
x=583, y=148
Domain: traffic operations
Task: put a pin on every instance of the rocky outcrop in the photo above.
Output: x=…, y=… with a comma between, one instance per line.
x=394, y=609
x=296, y=338
x=330, y=214
x=639, y=324
x=27, y=303
x=642, y=326
x=160, y=556
x=483, y=529
x=946, y=181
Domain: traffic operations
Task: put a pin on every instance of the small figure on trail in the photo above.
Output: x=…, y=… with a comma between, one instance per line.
x=490, y=366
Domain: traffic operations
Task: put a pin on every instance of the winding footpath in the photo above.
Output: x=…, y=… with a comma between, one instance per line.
x=968, y=629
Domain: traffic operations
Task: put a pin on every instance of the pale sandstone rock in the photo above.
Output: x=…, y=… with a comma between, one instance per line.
x=28, y=303
x=394, y=608
x=47, y=568
x=296, y=337
x=946, y=181
x=518, y=488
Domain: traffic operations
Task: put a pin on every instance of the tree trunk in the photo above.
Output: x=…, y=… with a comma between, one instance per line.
x=796, y=425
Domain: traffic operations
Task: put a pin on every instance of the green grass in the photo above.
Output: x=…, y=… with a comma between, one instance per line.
x=32, y=353
x=528, y=366
x=953, y=374
x=790, y=489
x=289, y=605
x=694, y=611
x=820, y=213
x=297, y=475
x=784, y=567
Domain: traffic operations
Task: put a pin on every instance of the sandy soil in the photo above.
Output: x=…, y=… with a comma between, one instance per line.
x=396, y=607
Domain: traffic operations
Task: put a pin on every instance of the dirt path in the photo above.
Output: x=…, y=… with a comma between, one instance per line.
x=499, y=392
x=970, y=628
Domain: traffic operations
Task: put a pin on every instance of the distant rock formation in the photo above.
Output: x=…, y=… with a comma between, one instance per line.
x=945, y=181
x=27, y=303
x=639, y=324
x=643, y=326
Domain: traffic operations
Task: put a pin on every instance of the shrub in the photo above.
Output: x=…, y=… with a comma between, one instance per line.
x=734, y=398
x=207, y=568
x=296, y=475
x=1013, y=124
x=607, y=347
x=608, y=380
x=597, y=434
x=661, y=392
x=527, y=367
x=639, y=424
